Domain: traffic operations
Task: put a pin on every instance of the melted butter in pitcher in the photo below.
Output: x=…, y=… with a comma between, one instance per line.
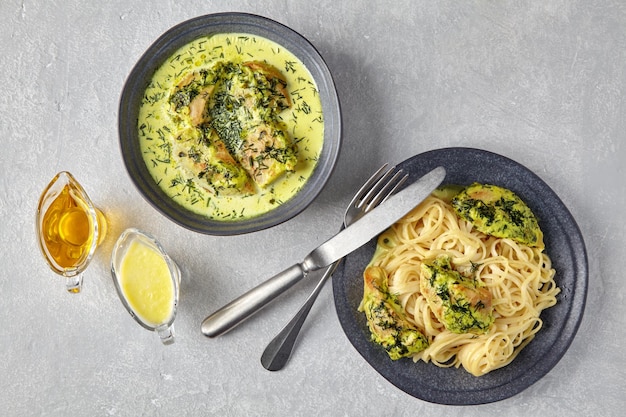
x=146, y=283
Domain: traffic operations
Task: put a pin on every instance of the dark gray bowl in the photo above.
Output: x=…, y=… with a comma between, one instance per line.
x=564, y=245
x=162, y=49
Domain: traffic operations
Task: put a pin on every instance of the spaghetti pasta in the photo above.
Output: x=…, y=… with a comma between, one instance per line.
x=520, y=279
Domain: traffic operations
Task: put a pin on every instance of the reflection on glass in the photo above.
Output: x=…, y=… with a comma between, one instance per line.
x=69, y=228
x=147, y=281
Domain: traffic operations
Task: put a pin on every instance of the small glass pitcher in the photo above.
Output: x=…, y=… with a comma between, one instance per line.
x=69, y=228
x=147, y=281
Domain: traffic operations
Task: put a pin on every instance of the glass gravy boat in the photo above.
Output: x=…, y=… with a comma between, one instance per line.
x=69, y=228
x=147, y=281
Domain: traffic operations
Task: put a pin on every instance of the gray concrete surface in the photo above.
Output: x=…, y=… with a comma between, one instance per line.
x=540, y=82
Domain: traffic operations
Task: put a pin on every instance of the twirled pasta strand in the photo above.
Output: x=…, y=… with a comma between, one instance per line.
x=520, y=279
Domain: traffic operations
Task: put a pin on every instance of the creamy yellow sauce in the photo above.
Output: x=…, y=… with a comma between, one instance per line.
x=146, y=283
x=157, y=129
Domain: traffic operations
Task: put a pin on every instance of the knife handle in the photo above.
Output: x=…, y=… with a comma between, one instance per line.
x=252, y=301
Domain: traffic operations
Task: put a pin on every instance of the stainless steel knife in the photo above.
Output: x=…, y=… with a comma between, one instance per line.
x=340, y=245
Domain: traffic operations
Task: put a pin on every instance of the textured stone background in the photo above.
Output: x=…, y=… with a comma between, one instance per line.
x=540, y=82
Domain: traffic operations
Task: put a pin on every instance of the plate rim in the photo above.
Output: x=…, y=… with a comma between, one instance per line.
x=569, y=325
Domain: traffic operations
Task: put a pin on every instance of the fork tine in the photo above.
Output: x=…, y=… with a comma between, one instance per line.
x=377, y=192
x=370, y=184
x=374, y=187
x=384, y=192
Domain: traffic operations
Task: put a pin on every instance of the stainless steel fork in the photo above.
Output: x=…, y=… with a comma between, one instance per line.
x=376, y=190
x=246, y=305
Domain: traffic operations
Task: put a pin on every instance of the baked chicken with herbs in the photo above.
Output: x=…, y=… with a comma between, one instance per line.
x=459, y=302
x=386, y=320
x=498, y=212
x=235, y=139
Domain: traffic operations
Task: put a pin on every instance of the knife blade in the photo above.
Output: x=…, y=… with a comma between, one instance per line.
x=335, y=248
x=373, y=223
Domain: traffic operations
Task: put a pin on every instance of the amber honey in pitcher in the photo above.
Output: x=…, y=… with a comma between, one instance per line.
x=69, y=227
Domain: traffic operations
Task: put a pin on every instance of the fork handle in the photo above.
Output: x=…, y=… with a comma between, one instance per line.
x=277, y=353
x=252, y=301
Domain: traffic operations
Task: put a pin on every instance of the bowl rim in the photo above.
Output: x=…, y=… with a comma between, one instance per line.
x=565, y=245
x=158, y=52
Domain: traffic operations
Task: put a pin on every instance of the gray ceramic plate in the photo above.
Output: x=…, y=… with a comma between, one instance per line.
x=565, y=246
x=162, y=49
